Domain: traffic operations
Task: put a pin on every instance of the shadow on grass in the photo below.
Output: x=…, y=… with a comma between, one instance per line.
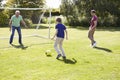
x=49, y=55
x=104, y=49
x=23, y=47
x=40, y=44
x=69, y=61
x=20, y=46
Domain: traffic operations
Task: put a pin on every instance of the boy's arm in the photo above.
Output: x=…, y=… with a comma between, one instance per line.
x=55, y=34
x=66, y=34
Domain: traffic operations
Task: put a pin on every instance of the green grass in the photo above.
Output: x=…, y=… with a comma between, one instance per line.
x=31, y=63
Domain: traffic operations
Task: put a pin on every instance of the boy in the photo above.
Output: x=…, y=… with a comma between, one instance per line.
x=60, y=34
x=92, y=27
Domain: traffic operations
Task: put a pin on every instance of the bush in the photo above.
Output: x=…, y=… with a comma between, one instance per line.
x=3, y=19
x=75, y=21
x=85, y=22
x=28, y=22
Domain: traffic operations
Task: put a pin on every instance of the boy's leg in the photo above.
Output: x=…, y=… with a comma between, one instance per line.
x=56, y=45
x=20, y=35
x=12, y=35
x=61, y=48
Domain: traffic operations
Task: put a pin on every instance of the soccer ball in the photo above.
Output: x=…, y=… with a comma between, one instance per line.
x=48, y=53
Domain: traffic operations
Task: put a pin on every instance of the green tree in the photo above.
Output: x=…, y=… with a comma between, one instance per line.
x=70, y=11
x=29, y=16
x=0, y=3
x=33, y=15
x=108, y=11
x=3, y=19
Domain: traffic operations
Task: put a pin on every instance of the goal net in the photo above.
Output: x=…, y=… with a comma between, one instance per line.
x=38, y=21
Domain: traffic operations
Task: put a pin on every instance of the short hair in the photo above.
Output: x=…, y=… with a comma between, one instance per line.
x=17, y=11
x=93, y=11
x=58, y=20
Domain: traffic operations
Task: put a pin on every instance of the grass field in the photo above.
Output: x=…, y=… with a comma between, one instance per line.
x=83, y=62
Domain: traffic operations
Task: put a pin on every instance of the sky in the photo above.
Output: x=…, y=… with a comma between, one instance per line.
x=4, y=1
x=53, y=3
x=49, y=3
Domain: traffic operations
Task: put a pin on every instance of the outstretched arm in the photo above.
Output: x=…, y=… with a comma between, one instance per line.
x=23, y=22
x=10, y=24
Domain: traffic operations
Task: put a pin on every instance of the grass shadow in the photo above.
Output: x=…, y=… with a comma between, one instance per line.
x=69, y=61
x=39, y=44
x=48, y=55
x=104, y=49
x=20, y=46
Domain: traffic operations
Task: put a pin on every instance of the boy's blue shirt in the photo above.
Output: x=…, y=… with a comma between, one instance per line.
x=60, y=27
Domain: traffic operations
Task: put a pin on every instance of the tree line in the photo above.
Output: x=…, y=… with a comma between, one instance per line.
x=30, y=16
x=77, y=12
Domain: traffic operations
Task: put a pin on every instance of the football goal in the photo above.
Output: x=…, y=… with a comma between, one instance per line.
x=38, y=21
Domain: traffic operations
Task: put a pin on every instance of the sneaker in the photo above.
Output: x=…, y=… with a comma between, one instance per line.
x=58, y=56
x=94, y=45
x=21, y=44
x=10, y=43
x=64, y=57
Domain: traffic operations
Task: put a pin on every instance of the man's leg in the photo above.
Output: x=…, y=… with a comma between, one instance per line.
x=12, y=35
x=20, y=35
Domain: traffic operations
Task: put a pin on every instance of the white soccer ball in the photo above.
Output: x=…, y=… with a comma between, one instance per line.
x=48, y=53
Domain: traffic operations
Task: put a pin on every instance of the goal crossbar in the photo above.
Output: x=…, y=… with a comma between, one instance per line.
x=49, y=22
x=23, y=8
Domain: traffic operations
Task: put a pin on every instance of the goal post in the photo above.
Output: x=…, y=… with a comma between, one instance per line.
x=40, y=18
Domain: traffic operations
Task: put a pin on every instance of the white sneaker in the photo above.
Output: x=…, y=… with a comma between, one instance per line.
x=94, y=45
